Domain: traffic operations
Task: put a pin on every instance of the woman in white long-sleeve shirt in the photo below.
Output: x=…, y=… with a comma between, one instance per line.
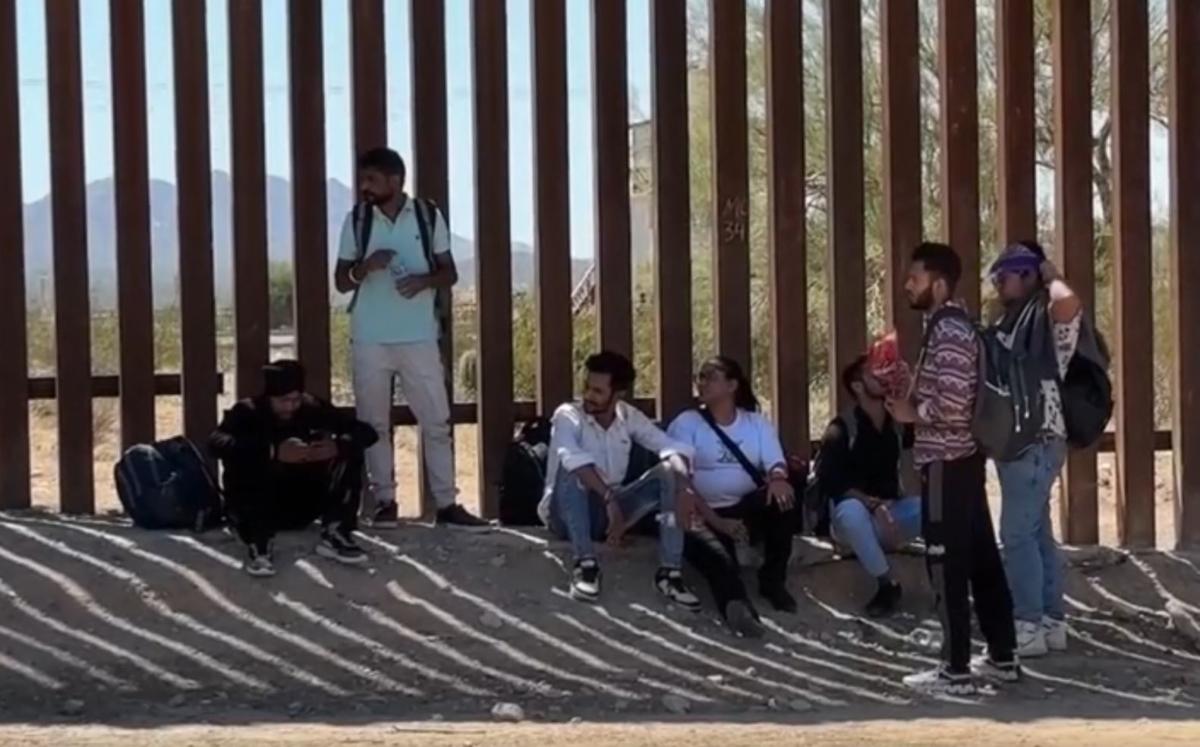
x=736, y=496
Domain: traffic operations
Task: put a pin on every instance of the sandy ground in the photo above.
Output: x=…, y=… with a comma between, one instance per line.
x=112, y=633
x=917, y=733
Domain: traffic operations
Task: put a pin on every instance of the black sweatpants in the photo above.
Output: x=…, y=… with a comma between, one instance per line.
x=963, y=560
x=715, y=556
x=263, y=500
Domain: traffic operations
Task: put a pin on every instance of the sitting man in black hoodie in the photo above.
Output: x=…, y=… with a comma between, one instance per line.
x=859, y=471
x=291, y=458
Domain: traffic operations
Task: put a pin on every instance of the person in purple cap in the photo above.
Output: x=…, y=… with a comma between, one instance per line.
x=1040, y=325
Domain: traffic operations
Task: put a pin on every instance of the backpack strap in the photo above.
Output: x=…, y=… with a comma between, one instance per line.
x=427, y=211
x=734, y=449
x=363, y=218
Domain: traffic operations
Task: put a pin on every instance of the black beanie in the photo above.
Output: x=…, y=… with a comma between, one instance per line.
x=283, y=377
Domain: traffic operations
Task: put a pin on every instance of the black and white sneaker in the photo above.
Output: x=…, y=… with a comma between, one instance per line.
x=459, y=517
x=258, y=562
x=336, y=545
x=940, y=681
x=986, y=667
x=669, y=582
x=585, y=581
x=385, y=516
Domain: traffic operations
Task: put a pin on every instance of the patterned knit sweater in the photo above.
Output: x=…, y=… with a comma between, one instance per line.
x=945, y=392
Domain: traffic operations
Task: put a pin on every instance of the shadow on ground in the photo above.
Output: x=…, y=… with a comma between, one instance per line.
x=102, y=623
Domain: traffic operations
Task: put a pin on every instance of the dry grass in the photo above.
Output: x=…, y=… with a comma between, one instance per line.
x=169, y=417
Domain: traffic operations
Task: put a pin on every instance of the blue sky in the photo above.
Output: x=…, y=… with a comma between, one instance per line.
x=98, y=94
x=160, y=89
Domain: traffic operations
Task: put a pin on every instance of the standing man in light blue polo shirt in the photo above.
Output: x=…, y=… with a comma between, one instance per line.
x=394, y=256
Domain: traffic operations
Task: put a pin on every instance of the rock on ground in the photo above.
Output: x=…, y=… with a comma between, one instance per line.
x=510, y=712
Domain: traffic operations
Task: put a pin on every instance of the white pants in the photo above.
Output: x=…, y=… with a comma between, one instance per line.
x=418, y=368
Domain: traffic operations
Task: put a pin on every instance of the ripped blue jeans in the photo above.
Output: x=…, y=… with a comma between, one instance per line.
x=579, y=516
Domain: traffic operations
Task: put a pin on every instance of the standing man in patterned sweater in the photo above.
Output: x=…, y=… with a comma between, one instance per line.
x=960, y=542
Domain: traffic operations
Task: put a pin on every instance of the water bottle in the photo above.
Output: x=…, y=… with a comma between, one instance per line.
x=398, y=270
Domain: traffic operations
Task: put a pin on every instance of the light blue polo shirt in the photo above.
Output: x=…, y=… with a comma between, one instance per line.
x=381, y=315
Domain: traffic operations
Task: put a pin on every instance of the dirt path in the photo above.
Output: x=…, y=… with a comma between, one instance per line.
x=918, y=733
x=114, y=635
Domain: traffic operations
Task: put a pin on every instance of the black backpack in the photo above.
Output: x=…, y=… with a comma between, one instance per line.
x=168, y=485
x=524, y=476
x=1087, y=398
x=1000, y=423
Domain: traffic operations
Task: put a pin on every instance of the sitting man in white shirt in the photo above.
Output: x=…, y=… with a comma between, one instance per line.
x=585, y=500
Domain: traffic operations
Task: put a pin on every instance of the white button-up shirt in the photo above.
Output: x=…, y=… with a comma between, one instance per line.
x=577, y=440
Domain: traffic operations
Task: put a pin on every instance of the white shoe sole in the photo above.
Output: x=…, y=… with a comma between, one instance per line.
x=963, y=689
x=580, y=596
x=331, y=554
x=996, y=674
x=258, y=572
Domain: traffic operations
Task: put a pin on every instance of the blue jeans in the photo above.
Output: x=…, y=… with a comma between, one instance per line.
x=579, y=516
x=1031, y=557
x=853, y=525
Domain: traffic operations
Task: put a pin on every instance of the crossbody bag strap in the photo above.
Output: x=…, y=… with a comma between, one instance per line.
x=734, y=449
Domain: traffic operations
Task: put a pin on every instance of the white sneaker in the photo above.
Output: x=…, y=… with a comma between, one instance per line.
x=940, y=682
x=985, y=667
x=1031, y=639
x=1055, y=632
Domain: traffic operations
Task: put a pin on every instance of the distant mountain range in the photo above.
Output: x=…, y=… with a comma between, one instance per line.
x=102, y=249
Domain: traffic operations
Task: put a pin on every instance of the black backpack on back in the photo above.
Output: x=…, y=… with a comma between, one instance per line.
x=1087, y=397
x=524, y=478
x=168, y=485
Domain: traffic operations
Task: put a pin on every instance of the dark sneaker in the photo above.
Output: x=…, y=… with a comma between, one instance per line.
x=341, y=547
x=780, y=599
x=886, y=601
x=742, y=621
x=669, y=582
x=258, y=562
x=940, y=681
x=385, y=516
x=457, y=516
x=585, y=581
x=1001, y=671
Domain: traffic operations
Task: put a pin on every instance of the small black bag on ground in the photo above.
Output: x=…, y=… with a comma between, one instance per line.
x=168, y=485
x=524, y=479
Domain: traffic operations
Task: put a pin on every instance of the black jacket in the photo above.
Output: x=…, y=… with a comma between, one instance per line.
x=870, y=465
x=249, y=432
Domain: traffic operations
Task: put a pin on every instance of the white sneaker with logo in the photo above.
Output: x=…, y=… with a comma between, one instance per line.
x=940, y=681
x=1031, y=639
x=1055, y=632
